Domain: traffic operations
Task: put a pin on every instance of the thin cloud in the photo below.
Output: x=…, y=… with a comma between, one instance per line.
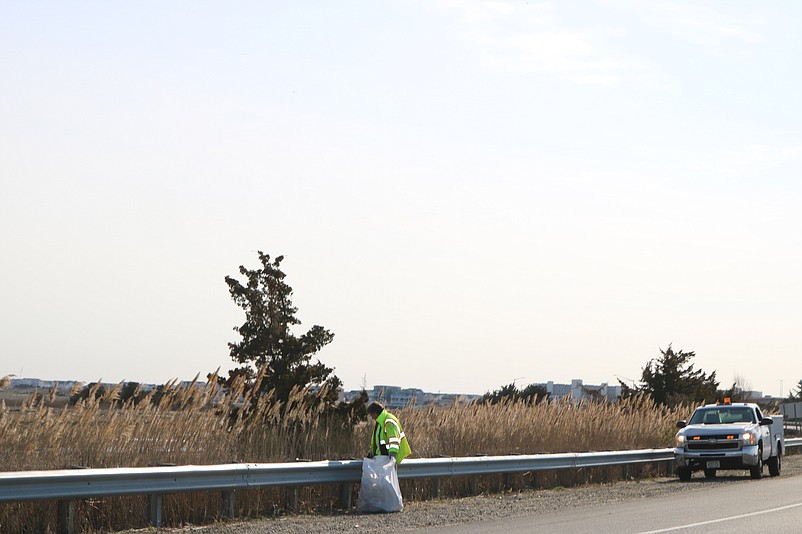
x=714, y=31
x=563, y=52
x=527, y=38
x=757, y=157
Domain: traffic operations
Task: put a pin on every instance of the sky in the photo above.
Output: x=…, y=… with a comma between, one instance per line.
x=466, y=193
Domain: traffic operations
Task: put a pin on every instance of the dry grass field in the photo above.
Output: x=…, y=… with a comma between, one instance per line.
x=193, y=425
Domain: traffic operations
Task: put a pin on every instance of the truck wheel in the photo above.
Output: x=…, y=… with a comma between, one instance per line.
x=775, y=463
x=757, y=471
x=684, y=473
x=710, y=473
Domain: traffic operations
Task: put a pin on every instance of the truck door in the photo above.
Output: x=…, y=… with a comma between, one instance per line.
x=765, y=435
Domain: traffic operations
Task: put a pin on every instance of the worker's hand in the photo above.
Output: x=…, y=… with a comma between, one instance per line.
x=370, y=454
x=392, y=457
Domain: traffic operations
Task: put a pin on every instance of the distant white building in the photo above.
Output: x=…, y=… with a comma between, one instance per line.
x=750, y=395
x=394, y=397
x=65, y=386
x=36, y=383
x=577, y=391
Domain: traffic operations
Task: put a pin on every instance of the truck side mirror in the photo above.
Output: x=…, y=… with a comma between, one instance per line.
x=681, y=424
x=766, y=421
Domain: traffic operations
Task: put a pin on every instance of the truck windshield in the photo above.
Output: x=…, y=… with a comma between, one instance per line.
x=722, y=415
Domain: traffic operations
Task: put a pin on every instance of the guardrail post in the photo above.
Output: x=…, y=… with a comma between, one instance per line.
x=436, y=487
x=227, y=504
x=657, y=471
x=67, y=511
x=473, y=483
x=291, y=499
x=155, y=510
x=346, y=491
x=66, y=517
x=505, y=482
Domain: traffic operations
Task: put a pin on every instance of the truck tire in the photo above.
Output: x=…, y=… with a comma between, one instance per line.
x=775, y=463
x=757, y=471
x=684, y=473
x=710, y=473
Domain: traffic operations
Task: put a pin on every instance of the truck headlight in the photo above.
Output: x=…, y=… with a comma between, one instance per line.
x=749, y=438
x=679, y=441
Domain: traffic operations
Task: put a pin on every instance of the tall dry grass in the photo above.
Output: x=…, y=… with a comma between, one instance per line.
x=203, y=425
x=540, y=427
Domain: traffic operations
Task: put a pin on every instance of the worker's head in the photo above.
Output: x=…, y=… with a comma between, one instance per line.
x=375, y=409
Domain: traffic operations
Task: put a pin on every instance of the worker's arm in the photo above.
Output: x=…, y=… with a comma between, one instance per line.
x=393, y=437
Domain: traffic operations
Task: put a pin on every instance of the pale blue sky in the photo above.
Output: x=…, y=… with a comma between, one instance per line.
x=465, y=192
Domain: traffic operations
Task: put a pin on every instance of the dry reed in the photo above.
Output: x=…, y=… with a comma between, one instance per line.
x=204, y=425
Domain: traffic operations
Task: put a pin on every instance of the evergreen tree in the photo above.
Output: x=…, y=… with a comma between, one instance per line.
x=671, y=379
x=269, y=348
x=93, y=389
x=510, y=392
x=796, y=395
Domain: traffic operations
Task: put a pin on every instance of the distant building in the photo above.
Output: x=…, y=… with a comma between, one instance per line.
x=394, y=397
x=577, y=391
x=751, y=395
x=65, y=386
x=36, y=383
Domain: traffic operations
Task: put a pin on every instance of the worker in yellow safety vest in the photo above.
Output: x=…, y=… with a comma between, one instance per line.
x=388, y=437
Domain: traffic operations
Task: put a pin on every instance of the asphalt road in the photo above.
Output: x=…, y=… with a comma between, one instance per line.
x=739, y=505
x=731, y=503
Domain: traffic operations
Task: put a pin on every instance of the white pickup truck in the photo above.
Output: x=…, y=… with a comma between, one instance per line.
x=729, y=436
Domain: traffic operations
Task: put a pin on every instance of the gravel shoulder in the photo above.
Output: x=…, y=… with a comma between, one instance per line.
x=442, y=512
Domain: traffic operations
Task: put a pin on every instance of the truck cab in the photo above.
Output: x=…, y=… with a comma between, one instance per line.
x=728, y=436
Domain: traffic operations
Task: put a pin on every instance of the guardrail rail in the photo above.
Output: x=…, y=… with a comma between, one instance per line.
x=67, y=485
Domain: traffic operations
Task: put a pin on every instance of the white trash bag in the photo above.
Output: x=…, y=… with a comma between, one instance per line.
x=379, y=491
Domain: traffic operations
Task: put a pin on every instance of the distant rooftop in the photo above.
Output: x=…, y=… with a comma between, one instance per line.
x=395, y=397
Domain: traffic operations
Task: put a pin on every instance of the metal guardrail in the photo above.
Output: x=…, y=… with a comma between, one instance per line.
x=488, y=465
x=108, y=482
x=67, y=485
